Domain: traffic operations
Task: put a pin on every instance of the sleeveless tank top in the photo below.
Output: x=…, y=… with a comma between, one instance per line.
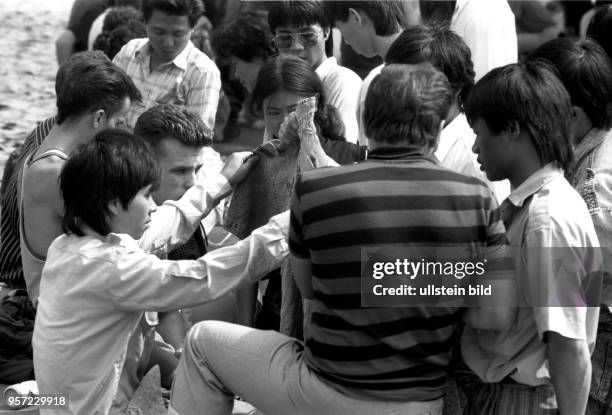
x=32, y=263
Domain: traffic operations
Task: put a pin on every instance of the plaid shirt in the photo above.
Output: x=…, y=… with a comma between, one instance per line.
x=191, y=80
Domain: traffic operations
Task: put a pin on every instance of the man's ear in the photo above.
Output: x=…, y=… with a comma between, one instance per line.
x=326, y=32
x=114, y=207
x=356, y=16
x=513, y=129
x=98, y=118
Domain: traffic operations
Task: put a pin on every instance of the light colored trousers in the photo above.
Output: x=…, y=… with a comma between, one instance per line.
x=267, y=369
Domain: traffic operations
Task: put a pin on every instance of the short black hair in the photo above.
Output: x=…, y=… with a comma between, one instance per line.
x=586, y=73
x=172, y=121
x=297, y=13
x=111, y=42
x=247, y=37
x=94, y=83
x=441, y=47
x=193, y=9
x=600, y=28
x=531, y=95
x=388, y=16
x=67, y=67
x=114, y=165
x=407, y=103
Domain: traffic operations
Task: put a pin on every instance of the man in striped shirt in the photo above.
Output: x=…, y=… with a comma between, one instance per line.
x=166, y=67
x=357, y=360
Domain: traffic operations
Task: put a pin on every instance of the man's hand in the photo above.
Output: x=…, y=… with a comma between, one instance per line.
x=237, y=167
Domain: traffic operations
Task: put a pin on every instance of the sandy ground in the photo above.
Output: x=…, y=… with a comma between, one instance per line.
x=27, y=72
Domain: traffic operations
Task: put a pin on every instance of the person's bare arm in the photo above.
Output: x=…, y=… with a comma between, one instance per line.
x=64, y=46
x=569, y=362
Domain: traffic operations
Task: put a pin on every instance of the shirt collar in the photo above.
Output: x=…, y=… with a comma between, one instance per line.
x=326, y=67
x=144, y=52
x=534, y=183
x=398, y=153
x=593, y=139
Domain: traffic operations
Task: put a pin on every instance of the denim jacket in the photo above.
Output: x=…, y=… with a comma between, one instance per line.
x=591, y=175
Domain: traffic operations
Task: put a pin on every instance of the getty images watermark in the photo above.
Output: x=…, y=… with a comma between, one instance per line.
x=496, y=276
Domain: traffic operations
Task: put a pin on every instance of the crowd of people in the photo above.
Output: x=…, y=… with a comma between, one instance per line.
x=482, y=125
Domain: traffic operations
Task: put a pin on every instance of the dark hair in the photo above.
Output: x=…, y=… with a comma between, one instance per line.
x=586, y=73
x=111, y=42
x=172, y=121
x=68, y=65
x=388, y=16
x=407, y=103
x=290, y=73
x=94, y=83
x=437, y=12
x=600, y=28
x=120, y=16
x=246, y=37
x=297, y=13
x=441, y=47
x=193, y=9
x=114, y=165
x=531, y=95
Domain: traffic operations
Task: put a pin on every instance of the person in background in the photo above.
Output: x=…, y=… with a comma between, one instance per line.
x=369, y=27
x=301, y=28
x=121, y=24
x=600, y=28
x=586, y=72
x=444, y=49
x=244, y=43
x=74, y=38
x=166, y=67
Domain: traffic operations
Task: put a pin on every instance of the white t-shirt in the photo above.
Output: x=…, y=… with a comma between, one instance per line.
x=342, y=87
x=488, y=28
x=363, y=140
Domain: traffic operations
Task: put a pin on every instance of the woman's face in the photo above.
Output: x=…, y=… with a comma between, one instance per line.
x=277, y=106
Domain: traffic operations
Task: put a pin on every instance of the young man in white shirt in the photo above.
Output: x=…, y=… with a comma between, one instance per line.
x=369, y=27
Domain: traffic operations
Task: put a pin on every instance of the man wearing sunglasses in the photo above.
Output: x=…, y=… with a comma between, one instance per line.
x=301, y=28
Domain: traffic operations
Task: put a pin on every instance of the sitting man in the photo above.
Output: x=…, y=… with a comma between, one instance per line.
x=356, y=360
x=166, y=67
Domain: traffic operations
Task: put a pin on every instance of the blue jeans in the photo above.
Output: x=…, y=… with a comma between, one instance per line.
x=266, y=369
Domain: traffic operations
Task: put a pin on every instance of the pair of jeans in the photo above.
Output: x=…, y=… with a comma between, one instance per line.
x=600, y=396
x=268, y=370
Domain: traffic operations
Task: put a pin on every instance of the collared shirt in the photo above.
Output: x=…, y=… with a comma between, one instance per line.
x=488, y=28
x=543, y=212
x=95, y=289
x=191, y=80
x=591, y=175
x=455, y=153
x=342, y=88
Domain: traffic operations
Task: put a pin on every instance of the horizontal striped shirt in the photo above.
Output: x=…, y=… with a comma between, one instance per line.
x=191, y=80
x=395, y=198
